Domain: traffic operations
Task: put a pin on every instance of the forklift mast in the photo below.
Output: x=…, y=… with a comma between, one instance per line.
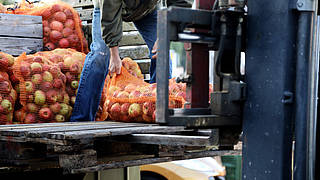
x=274, y=104
x=282, y=82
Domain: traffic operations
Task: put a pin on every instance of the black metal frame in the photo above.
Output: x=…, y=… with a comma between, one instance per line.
x=171, y=23
x=281, y=73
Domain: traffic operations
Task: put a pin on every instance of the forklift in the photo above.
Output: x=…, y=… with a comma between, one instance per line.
x=273, y=106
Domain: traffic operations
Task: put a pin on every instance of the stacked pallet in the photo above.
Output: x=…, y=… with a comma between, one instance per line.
x=84, y=147
x=132, y=44
x=20, y=33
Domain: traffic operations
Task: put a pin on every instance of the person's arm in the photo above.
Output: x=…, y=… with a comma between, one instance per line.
x=178, y=3
x=111, y=27
x=115, y=61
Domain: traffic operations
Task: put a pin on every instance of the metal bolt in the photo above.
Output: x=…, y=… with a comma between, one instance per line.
x=300, y=4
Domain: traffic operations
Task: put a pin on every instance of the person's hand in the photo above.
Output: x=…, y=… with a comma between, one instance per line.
x=115, y=61
x=154, y=50
x=3, y=9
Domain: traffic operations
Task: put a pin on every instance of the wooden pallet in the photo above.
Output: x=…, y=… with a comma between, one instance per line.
x=132, y=44
x=94, y=146
x=20, y=33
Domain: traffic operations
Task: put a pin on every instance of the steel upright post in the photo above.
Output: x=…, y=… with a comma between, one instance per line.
x=270, y=77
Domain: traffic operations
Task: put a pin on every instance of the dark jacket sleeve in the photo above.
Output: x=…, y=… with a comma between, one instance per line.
x=111, y=21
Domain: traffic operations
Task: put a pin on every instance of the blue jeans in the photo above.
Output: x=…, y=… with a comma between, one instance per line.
x=147, y=27
x=96, y=65
x=93, y=75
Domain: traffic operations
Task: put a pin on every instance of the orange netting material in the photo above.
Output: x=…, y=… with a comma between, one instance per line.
x=8, y=97
x=71, y=64
x=42, y=90
x=132, y=67
x=130, y=99
x=61, y=24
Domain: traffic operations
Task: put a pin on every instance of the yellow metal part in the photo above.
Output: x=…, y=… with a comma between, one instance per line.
x=174, y=172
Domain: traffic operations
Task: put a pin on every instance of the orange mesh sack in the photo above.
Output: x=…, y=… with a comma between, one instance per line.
x=70, y=63
x=130, y=99
x=8, y=97
x=42, y=90
x=179, y=90
x=132, y=67
x=6, y=65
x=61, y=24
x=6, y=62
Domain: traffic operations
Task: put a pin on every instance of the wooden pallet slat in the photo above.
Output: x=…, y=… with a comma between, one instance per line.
x=134, y=52
x=45, y=125
x=144, y=65
x=131, y=38
x=105, y=145
x=85, y=14
x=139, y=162
x=39, y=131
x=17, y=46
x=20, y=33
x=21, y=26
x=113, y=132
x=46, y=132
x=128, y=26
x=168, y=139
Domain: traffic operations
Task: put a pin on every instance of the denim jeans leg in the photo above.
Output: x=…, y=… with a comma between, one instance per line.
x=147, y=26
x=93, y=75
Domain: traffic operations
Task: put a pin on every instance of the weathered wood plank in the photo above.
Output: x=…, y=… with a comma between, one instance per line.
x=128, y=26
x=113, y=132
x=16, y=46
x=18, y=151
x=45, y=132
x=85, y=158
x=44, y=125
x=34, y=140
x=144, y=65
x=39, y=131
x=85, y=14
x=138, y=162
x=134, y=52
x=131, y=38
x=163, y=139
x=122, y=164
x=21, y=26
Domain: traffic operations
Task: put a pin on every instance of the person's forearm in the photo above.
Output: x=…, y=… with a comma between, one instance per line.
x=115, y=61
x=114, y=50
